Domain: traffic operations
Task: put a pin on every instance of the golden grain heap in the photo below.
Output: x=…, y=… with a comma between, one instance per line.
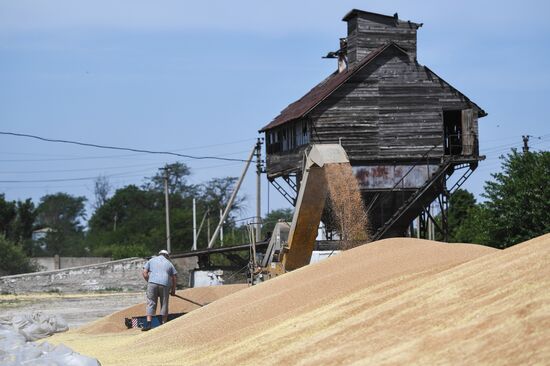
x=395, y=301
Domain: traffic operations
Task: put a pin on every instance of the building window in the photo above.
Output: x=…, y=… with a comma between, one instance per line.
x=288, y=137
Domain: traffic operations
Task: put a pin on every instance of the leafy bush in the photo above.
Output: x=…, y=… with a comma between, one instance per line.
x=13, y=260
x=121, y=251
x=516, y=206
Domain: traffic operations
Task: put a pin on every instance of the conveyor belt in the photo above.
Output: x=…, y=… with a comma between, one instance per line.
x=208, y=251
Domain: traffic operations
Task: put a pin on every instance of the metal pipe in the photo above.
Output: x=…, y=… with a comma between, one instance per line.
x=232, y=198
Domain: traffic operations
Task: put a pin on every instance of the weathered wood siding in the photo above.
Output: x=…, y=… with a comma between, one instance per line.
x=392, y=110
x=469, y=133
x=285, y=163
x=368, y=32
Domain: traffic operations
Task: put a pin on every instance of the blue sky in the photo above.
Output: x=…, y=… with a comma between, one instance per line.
x=202, y=77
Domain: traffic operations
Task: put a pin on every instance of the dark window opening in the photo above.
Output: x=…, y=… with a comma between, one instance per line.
x=452, y=124
x=288, y=137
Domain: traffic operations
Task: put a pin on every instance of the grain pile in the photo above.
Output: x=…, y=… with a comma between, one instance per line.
x=189, y=300
x=396, y=301
x=346, y=204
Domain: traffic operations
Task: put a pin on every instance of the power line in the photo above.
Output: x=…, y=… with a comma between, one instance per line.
x=152, y=165
x=119, y=148
x=198, y=147
x=117, y=175
x=124, y=174
x=124, y=157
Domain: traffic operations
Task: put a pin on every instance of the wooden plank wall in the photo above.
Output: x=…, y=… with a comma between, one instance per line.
x=390, y=111
x=285, y=163
x=365, y=33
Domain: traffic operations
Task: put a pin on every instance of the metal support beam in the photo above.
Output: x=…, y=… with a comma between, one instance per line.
x=232, y=199
x=283, y=192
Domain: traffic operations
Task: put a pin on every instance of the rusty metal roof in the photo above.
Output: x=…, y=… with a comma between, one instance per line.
x=322, y=90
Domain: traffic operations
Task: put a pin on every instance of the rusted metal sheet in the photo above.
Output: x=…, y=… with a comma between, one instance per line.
x=387, y=176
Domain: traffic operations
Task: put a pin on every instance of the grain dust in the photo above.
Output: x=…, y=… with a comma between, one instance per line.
x=346, y=205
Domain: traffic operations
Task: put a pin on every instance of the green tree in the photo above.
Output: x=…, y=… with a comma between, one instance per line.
x=517, y=199
x=215, y=195
x=8, y=213
x=17, y=222
x=473, y=227
x=461, y=203
x=284, y=214
x=63, y=214
x=177, y=174
x=136, y=217
x=24, y=225
x=102, y=188
x=131, y=216
x=133, y=219
x=13, y=260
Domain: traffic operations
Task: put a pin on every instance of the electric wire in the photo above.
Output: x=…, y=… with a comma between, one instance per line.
x=59, y=156
x=70, y=179
x=117, y=175
x=119, y=148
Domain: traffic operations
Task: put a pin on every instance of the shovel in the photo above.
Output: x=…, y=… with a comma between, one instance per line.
x=191, y=301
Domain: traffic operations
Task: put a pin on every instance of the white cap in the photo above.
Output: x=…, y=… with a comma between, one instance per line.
x=165, y=252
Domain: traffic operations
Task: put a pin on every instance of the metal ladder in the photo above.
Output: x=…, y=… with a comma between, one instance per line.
x=411, y=201
x=283, y=192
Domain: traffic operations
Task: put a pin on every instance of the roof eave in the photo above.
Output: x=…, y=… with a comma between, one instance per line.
x=368, y=59
x=481, y=112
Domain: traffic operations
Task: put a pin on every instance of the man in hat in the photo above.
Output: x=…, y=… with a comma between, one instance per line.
x=160, y=275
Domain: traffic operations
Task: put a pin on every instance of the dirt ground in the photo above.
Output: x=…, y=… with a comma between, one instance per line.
x=76, y=309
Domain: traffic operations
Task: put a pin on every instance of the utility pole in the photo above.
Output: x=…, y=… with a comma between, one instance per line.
x=525, y=143
x=232, y=198
x=258, y=189
x=194, y=225
x=221, y=227
x=167, y=206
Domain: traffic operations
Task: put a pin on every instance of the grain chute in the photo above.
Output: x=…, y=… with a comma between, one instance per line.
x=291, y=245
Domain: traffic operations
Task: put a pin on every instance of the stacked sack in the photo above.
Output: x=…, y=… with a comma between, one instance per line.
x=17, y=346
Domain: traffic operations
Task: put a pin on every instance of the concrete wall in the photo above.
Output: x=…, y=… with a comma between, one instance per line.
x=56, y=262
x=119, y=275
x=124, y=274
